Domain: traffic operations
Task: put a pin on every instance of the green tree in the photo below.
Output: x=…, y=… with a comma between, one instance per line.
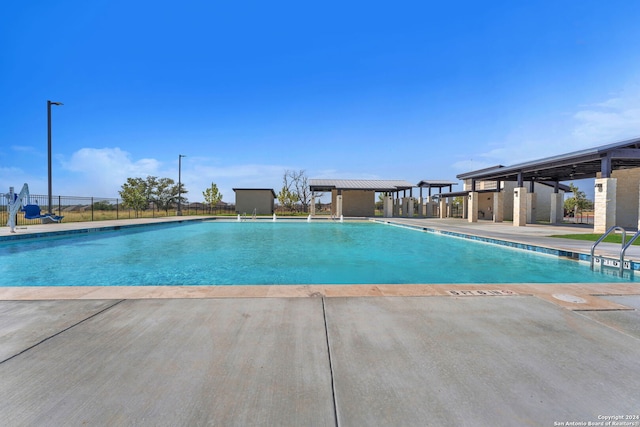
x=139, y=193
x=578, y=202
x=175, y=193
x=163, y=194
x=212, y=196
x=134, y=195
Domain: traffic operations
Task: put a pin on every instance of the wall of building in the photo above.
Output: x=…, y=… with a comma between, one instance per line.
x=485, y=206
x=627, y=195
x=260, y=200
x=543, y=200
x=356, y=202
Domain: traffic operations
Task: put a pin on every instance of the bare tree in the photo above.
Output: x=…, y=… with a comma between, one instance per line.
x=287, y=196
x=300, y=187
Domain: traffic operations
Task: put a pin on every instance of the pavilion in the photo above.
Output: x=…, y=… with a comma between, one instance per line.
x=356, y=197
x=615, y=167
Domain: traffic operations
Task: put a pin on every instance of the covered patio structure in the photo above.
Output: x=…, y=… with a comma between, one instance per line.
x=429, y=208
x=356, y=197
x=615, y=167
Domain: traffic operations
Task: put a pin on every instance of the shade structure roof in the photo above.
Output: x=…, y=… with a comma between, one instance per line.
x=379, y=185
x=575, y=165
x=433, y=183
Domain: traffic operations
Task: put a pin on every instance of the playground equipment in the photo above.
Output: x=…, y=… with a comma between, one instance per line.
x=21, y=200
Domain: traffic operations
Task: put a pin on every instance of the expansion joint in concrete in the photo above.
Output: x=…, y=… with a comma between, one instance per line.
x=333, y=388
x=62, y=331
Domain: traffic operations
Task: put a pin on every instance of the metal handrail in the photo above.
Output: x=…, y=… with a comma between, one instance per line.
x=609, y=231
x=625, y=247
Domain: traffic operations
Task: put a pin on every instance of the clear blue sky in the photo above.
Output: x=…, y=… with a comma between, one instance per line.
x=389, y=90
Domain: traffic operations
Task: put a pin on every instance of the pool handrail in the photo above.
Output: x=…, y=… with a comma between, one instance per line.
x=609, y=231
x=625, y=247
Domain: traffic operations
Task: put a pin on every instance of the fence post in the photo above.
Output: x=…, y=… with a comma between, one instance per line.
x=92, y=209
x=117, y=209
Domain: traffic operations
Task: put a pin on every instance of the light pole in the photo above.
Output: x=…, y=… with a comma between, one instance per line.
x=180, y=156
x=49, y=104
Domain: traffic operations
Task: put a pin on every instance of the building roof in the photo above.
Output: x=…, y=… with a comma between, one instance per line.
x=435, y=183
x=561, y=187
x=359, y=184
x=575, y=165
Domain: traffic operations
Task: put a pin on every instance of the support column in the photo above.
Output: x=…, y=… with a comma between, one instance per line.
x=443, y=207
x=339, y=204
x=519, y=206
x=557, y=208
x=465, y=207
x=312, y=208
x=498, y=206
x=531, y=208
x=387, y=206
x=472, y=216
x=407, y=207
x=604, y=215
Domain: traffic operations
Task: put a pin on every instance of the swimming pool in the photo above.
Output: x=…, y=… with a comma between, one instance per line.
x=265, y=252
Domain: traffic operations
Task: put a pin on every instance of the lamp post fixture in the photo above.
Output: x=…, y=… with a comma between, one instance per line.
x=49, y=104
x=180, y=156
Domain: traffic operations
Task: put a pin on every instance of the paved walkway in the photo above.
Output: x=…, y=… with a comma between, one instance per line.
x=323, y=355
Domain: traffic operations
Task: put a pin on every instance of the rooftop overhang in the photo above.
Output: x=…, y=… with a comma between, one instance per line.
x=376, y=185
x=576, y=165
x=435, y=184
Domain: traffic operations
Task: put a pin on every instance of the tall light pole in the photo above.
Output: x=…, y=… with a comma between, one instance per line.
x=180, y=156
x=49, y=104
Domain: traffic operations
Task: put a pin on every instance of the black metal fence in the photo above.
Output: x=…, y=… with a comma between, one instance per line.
x=77, y=209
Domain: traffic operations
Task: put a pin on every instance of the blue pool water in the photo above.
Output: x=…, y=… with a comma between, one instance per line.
x=257, y=252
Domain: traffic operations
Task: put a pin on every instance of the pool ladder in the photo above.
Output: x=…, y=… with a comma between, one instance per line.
x=254, y=215
x=619, y=263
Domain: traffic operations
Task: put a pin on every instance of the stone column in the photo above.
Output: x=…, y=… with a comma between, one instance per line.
x=387, y=206
x=498, y=206
x=443, y=207
x=472, y=216
x=557, y=208
x=520, y=206
x=604, y=216
x=339, y=205
x=312, y=208
x=531, y=208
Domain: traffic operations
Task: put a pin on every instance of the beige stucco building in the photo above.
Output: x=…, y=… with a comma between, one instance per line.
x=357, y=197
x=259, y=201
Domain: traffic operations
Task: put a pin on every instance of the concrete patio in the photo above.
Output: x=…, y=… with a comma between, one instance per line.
x=522, y=354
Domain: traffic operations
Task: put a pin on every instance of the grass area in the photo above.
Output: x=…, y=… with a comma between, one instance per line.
x=611, y=238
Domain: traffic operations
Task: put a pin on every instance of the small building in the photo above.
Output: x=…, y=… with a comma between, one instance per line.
x=259, y=201
x=356, y=197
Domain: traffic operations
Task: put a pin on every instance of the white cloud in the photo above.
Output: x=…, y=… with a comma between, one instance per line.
x=609, y=121
x=25, y=149
x=614, y=119
x=101, y=173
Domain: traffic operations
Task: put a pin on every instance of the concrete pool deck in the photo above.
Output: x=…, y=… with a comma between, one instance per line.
x=524, y=354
